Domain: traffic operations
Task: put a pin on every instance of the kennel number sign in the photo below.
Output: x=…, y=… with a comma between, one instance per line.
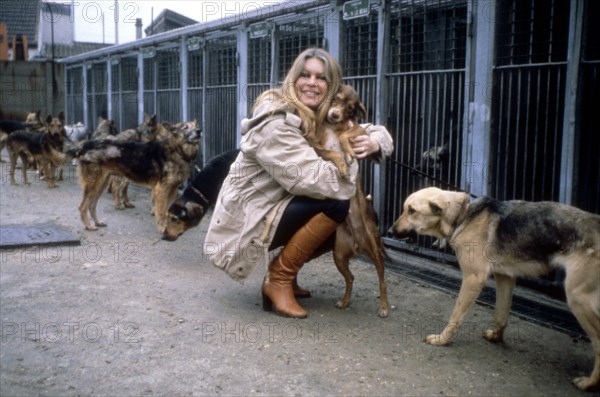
x=356, y=9
x=148, y=52
x=259, y=30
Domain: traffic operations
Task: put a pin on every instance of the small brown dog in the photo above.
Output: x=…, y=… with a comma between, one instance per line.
x=335, y=134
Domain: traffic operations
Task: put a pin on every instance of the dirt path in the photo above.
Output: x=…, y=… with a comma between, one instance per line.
x=125, y=314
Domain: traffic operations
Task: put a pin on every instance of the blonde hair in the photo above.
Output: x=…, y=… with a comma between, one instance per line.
x=286, y=94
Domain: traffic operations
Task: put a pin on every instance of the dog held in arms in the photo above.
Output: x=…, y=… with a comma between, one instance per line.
x=510, y=239
x=358, y=234
x=160, y=165
x=332, y=139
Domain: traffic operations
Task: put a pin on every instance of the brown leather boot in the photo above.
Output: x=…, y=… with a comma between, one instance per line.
x=277, y=289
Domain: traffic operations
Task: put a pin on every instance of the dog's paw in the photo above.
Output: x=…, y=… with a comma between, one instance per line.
x=440, y=244
x=101, y=224
x=493, y=335
x=586, y=383
x=349, y=159
x=342, y=304
x=436, y=340
x=383, y=312
x=128, y=205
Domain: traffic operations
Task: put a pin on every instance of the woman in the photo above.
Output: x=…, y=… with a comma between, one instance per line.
x=279, y=192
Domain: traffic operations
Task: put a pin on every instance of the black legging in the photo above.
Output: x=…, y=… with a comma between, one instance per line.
x=300, y=210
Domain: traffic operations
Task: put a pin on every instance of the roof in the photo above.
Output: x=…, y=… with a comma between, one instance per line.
x=168, y=20
x=67, y=50
x=21, y=18
x=281, y=10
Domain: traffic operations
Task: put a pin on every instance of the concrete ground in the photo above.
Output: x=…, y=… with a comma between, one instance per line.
x=127, y=314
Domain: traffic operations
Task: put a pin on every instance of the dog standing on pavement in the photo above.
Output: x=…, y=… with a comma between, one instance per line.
x=510, y=239
x=45, y=148
x=32, y=122
x=358, y=234
x=160, y=165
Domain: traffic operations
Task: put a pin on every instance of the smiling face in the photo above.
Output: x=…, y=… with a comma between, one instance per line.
x=311, y=86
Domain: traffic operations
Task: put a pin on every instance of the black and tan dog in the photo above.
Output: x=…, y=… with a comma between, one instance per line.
x=160, y=165
x=358, y=234
x=150, y=130
x=45, y=148
x=33, y=122
x=510, y=239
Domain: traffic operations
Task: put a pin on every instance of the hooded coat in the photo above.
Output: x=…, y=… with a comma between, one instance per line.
x=275, y=164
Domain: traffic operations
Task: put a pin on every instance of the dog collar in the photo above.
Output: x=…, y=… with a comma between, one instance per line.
x=197, y=196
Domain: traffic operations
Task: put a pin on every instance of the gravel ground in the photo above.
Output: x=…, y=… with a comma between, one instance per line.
x=127, y=314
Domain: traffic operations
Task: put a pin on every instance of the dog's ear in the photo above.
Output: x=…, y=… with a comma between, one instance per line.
x=436, y=207
x=195, y=212
x=456, y=204
x=61, y=117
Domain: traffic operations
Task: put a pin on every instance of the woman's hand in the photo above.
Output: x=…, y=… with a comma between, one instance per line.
x=364, y=146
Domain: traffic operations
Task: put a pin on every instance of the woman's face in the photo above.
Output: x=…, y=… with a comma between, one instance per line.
x=311, y=86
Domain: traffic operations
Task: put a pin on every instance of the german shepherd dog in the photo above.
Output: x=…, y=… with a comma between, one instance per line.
x=510, y=239
x=149, y=130
x=45, y=148
x=32, y=122
x=358, y=234
x=159, y=165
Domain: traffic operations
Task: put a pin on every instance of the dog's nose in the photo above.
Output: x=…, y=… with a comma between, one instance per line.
x=390, y=231
x=167, y=237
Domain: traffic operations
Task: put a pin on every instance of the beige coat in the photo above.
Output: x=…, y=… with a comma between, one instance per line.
x=275, y=164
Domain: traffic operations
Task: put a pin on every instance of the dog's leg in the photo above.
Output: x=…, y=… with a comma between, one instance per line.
x=95, y=196
x=347, y=148
x=123, y=187
x=474, y=278
x=161, y=194
x=583, y=296
x=50, y=172
x=378, y=260
x=93, y=182
x=165, y=196
x=336, y=158
x=114, y=186
x=341, y=256
x=3, y=137
x=504, y=289
x=84, y=208
x=13, y=164
x=24, y=166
